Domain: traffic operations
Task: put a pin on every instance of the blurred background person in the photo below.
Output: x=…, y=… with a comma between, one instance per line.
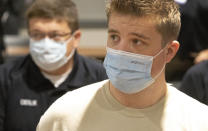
x=194, y=48
x=11, y=21
x=195, y=82
x=92, y=24
x=194, y=31
x=193, y=53
x=193, y=38
x=28, y=85
x=3, y=5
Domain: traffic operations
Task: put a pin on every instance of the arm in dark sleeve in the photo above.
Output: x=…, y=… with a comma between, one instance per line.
x=193, y=82
x=2, y=110
x=2, y=100
x=16, y=6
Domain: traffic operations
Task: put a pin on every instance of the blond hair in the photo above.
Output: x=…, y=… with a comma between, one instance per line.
x=165, y=14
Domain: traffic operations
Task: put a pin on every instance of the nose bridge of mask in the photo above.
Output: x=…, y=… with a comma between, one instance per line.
x=50, y=45
x=55, y=45
x=129, y=54
x=45, y=41
x=137, y=62
x=37, y=46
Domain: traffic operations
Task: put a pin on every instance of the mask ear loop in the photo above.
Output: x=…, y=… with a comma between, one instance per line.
x=159, y=72
x=163, y=65
x=72, y=51
x=70, y=39
x=160, y=51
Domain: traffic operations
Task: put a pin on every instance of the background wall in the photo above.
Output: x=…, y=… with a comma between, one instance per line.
x=91, y=11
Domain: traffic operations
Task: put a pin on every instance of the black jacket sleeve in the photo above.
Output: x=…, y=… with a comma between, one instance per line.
x=3, y=98
x=193, y=83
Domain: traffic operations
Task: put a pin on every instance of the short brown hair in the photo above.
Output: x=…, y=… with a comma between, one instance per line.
x=55, y=9
x=164, y=12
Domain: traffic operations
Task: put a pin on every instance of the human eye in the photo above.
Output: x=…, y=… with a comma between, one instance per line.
x=55, y=36
x=114, y=37
x=136, y=41
x=36, y=35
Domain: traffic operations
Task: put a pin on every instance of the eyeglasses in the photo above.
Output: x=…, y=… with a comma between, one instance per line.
x=52, y=35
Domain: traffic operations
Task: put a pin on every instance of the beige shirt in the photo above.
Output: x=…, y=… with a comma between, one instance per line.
x=93, y=108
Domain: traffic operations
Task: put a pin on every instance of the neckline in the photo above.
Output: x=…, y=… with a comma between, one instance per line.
x=128, y=111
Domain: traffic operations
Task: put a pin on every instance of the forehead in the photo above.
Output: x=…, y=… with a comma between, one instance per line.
x=46, y=24
x=125, y=24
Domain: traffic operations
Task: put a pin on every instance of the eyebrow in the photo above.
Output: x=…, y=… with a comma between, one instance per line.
x=40, y=31
x=141, y=36
x=132, y=33
x=35, y=30
x=112, y=31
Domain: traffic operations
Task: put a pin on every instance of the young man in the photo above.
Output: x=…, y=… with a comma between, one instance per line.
x=141, y=40
x=29, y=85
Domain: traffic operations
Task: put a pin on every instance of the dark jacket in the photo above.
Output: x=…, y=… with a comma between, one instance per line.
x=25, y=93
x=194, y=28
x=195, y=82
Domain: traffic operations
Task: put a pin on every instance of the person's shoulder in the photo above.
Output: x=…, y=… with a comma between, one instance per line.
x=13, y=65
x=83, y=93
x=200, y=68
x=92, y=67
x=188, y=111
x=186, y=104
x=70, y=106
x=183, y=100
x=76, y=99
x=89, y=61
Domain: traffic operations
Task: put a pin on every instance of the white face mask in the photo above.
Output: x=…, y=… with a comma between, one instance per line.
x=130, y=73
x=49, y=54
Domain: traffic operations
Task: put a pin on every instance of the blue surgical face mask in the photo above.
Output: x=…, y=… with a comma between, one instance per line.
x=128, y=72
x=49, y=54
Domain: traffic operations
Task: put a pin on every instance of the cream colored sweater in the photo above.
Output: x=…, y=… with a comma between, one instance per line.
x=93, y=108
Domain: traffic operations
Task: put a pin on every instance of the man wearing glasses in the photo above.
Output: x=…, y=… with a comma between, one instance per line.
x=29, y=85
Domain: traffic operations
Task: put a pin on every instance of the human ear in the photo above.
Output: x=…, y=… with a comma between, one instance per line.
x=171, y=50
x=76, y=38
